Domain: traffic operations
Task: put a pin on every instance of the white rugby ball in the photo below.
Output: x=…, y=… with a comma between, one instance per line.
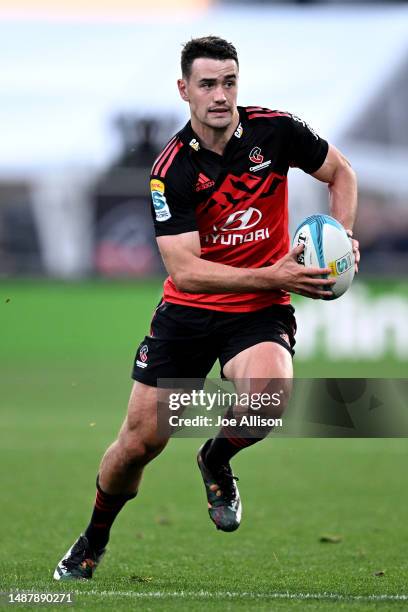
x=327, y=245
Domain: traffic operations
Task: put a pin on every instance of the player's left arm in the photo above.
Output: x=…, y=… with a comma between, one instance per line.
x=337, y=172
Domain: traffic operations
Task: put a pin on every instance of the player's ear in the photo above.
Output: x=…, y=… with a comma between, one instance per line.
x=182, y=87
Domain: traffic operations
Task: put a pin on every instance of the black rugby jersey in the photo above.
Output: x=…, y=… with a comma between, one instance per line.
x=236, y=201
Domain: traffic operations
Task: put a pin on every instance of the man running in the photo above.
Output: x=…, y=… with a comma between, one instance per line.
x=219, y=206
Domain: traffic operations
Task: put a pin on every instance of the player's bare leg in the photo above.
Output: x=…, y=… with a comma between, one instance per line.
x=137, y=444
x=119, y=476
x=263, y=360
x=263, y=368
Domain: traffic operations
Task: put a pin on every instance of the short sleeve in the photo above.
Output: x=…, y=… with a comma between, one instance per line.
x=306, y=150
x=171, y=206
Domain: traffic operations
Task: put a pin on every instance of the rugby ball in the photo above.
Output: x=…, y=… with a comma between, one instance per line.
x=327, y=245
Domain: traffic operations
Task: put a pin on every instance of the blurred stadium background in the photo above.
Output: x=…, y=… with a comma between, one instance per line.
x=88, y=97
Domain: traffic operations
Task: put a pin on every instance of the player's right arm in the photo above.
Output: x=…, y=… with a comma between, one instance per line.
x=193, y=274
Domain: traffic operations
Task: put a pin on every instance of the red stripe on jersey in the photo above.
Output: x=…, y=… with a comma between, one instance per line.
x=255, y=115
x=163, y=154
x=175, y=150
x=250, y=109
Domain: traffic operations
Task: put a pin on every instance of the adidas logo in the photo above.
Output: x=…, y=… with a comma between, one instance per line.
x=203, y=182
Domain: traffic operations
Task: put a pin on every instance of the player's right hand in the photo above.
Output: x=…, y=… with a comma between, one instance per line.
x=296, y=278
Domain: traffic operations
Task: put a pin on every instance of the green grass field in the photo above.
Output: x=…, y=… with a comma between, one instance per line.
x=65, y=358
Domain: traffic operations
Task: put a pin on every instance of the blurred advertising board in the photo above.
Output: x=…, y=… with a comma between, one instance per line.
x=369, y=322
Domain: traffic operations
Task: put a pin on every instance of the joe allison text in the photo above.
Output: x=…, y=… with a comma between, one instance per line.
x=248, y=420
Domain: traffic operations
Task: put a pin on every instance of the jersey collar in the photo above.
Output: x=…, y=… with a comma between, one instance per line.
x=190, y=138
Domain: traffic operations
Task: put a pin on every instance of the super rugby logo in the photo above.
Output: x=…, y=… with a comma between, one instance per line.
x=340, y=266
x=241, y=220
x=159, y=201
x=255, y=156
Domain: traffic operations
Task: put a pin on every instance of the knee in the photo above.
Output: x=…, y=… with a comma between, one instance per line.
x=139, y=447
x=141, y=437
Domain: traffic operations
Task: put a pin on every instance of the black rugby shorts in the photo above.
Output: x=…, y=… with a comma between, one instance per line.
x=185, y=341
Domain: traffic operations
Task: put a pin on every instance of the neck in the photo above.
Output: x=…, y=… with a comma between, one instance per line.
x=213, y=139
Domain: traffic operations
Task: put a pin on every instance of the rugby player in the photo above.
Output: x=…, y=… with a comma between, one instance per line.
x=219, y=206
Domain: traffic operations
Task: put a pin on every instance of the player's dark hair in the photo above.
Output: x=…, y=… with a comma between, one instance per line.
x=212, y=47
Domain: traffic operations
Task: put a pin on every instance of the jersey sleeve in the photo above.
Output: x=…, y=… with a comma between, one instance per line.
x=306, y=149
x=171, y=207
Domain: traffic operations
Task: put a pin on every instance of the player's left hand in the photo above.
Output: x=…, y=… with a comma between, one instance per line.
x=356, y=249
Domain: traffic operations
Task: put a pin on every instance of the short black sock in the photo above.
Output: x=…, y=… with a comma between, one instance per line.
x=230, y=440
x=221, y=450
x=106, y=509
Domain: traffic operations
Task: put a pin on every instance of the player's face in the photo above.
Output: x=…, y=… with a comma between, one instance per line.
x=211, y=91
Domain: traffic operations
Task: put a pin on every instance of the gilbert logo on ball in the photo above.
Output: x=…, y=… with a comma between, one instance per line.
x=327, y=245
